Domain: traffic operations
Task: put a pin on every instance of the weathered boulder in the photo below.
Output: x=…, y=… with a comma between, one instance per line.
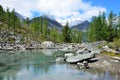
x=83, y=51
x=94, y=47
x=60, y=60
x=80, y=65
x=80, y=57
x=83, y=65
x=47, y=44
x=68, y=55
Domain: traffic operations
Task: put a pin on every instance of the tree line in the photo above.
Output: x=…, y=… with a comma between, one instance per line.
x=39, y=27
x=102, y=28
x=10, y=18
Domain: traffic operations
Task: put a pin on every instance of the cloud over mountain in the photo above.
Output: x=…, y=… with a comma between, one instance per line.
x=61, y=10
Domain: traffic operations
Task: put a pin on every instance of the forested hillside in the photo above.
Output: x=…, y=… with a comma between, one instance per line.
x=13, y=30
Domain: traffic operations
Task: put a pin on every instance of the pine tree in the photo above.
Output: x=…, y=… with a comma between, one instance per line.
x=118, y=26
x=41, y=26
x=99, y=30
x=92, y=30
x=27, y=20
x=66, y=33
x=45, y=29
x=14, y=21
x=7, y=17
x=76, y=36
x=110, y=19
x=1, y=13
x=111, y=34
x=53, y=34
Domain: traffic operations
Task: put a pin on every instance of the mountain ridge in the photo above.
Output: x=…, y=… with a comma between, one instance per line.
x=82, y=26
x=20, y=16
x=51, y=22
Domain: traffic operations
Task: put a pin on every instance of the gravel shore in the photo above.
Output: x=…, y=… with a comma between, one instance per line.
x=106, y=62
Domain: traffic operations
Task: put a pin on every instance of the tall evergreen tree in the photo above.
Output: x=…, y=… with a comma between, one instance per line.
x=76, y=36
x=14, y=21
x=66, y=32
x=1, y=13
x=7, y=17
x=92, y=30
x=110, y=19
x=111, y=28
x=27, y=20
x=45, y=29
x=118, y=26
x=53, y=34
x=41, y=26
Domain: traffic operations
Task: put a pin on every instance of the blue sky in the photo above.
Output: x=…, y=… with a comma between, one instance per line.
x=63, y=10
x=110, y=5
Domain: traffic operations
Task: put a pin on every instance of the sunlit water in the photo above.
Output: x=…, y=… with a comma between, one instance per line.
x=40, y=65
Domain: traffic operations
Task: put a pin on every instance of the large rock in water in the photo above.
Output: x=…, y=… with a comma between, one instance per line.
x=80, y=57
x=60, y=60
x=47, y=44
x=68, y=55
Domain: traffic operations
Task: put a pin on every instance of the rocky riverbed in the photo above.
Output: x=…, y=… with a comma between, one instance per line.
x=71, y=51
x=106, y=63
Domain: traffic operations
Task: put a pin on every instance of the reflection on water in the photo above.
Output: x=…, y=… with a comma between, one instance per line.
x=35, y=65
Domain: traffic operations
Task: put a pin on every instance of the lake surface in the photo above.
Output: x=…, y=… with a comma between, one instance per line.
x=40, y=65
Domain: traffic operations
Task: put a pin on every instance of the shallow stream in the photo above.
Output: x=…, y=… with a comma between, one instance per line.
x=40, y=65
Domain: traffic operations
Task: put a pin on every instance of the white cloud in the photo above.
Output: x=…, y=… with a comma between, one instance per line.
x=62, y=10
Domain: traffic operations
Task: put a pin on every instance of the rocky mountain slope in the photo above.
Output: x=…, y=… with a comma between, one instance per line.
x=51, y=22
x=82, y=26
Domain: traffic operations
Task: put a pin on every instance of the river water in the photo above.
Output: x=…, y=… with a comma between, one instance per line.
x=40, y=65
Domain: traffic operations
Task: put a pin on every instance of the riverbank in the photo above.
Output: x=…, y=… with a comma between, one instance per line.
x=106, y=63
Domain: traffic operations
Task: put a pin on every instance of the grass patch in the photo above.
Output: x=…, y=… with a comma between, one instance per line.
x=110, y=54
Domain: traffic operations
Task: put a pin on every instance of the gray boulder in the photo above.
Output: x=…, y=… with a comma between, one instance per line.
x=68, y=55
x=83, y=65
x=60, y=60
x=80, y=57
x=83, y=51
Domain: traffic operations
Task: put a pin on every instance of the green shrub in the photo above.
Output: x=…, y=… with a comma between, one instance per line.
x=115, y=44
